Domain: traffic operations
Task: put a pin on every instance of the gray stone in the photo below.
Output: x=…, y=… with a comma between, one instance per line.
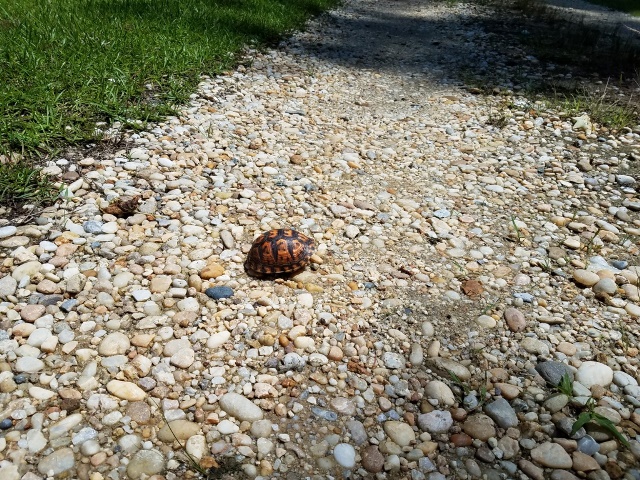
x=501, y=412
x=552, y=372
x=57, y=462
x=437, y=421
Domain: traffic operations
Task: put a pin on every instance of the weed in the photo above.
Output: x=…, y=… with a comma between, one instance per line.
x=590, y=247
x=566, y=385
x=213, y=470
x=22, y=182
x=489, y=307
x=590, y=415
x=467, y=390
x=516, y=228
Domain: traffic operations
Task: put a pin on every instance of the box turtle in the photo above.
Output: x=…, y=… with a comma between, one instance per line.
x=279, y=251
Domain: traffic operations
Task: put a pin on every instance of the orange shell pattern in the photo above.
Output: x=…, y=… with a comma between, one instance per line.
x=279, y=251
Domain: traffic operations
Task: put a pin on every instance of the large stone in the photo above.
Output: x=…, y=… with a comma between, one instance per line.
x=440, y=391
x=57, y=462
x=594, y=373
x=479, y=426
x=240, y=407
x=178, y=429
x=399, y=432
x=145, y=463
x=551, y=455
x=126, y=390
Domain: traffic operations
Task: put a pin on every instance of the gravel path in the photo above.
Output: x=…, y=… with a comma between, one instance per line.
x=475, y=249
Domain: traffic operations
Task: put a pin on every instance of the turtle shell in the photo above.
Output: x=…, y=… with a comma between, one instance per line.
x=279, y=251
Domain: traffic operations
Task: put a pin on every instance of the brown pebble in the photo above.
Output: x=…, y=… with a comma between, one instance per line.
x=461, y=439
x=372, y=459
x=515, y=319
x=458, y=414
x=283, y=340
x=213, y=270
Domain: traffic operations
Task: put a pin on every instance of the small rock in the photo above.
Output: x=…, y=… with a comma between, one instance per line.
x=399, y=432
x=515, y=319
x=594, y=373
x=502, y=413
x=218, y=293
x=551, y=455
x=437, y=421
x=240, y=407
x=372, y=459
x=345, y=455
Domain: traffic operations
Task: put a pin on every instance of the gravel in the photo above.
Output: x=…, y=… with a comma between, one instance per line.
x=464, y=267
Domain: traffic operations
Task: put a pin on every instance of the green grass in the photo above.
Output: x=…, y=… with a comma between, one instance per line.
x=604, y=109
x=67, y=64
x=629, y=6
x=24, y=183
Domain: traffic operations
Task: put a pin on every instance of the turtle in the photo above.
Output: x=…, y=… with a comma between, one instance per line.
x=278, y=251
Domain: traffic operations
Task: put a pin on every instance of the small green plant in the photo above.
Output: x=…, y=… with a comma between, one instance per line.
x=217, y=471
x=22, y=182
x=566, y=385
x=466, y=389
x=516, y=228
x=590, y=247
x=590, y=415
x=489, y=306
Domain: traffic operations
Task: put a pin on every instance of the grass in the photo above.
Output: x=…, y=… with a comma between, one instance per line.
x=66, y=65
x=71, y=68
x=21, y=182
x=629, y=6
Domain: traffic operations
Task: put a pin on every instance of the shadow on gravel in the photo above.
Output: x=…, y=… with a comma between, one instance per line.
x=468, y=44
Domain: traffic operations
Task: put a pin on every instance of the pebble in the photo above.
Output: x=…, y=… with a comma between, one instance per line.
x=400, y=433
x=441, y=392
x=594, y=373
x=57, y=462
x=585, y=277
x=553, y=372
x=126, y=390
x=372, y=459
x=551, y=455
x=219, y=293
x=502, y=413
x=515, y=319
x=240, y=407
x=145, y=463
x=345, y=455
